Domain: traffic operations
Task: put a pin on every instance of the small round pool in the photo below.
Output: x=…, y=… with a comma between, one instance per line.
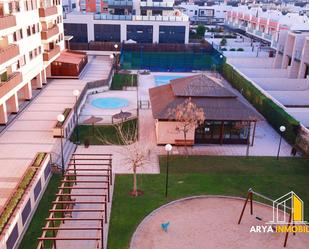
x=109, y=103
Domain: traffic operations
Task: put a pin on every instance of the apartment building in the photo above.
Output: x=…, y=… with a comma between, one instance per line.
x=137, y=21
x=209, y=15
x=264, y=24
x=31, y=38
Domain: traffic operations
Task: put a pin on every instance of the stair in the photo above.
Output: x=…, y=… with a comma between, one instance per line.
x=68, y=150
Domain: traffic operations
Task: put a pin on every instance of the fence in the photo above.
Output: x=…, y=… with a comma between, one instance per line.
x=146, y=47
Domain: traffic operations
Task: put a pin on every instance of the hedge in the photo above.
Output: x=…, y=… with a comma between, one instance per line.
x=273, y=113
x=13, y=202
x=65, y=113
x=23, y=184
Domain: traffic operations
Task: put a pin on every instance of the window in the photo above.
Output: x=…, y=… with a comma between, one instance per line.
x=28, y=31
x=30, y=55
x=22, y=61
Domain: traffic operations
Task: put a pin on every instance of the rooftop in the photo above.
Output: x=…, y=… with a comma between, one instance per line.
x=218, y=102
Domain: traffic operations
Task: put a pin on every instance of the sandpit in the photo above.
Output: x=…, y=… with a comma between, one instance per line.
x=210, y=222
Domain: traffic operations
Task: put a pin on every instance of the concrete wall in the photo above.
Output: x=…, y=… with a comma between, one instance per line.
x=282, y=84
x=251, y=62
x=262, y=73
x=17, y=221
x=166, y=132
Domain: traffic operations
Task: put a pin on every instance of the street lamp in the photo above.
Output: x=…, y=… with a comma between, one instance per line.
x=282, y=129
x=116, y=46
x=60, y=119
x=168, y=149
x=76, y=94
x=111, y=56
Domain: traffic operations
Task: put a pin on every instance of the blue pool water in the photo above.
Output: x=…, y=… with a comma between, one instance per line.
x=109, y=103
x=165, y=79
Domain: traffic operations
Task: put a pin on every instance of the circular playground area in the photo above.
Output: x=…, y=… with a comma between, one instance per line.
x=210, y=222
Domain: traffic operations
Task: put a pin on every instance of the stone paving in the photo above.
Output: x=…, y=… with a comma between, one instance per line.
x=31, y=131
x=265, y=144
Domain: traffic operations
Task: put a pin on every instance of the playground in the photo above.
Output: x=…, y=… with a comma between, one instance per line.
x=210, y=222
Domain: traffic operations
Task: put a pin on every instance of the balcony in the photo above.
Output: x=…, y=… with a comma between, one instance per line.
x=12, y=81
x=157, y=5
x=8, y=53
x=268, y=37
x=8, y=21
x=141, y=18
x=118, y=4
x=49, y=11
x=48, y=55
x=46, y=34
x=258, y=33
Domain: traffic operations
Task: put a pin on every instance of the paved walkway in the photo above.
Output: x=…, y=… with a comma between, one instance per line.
x=265, y=144
x=31, y=131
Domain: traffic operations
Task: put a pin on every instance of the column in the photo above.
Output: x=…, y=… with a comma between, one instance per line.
x=123, y=32
x=3, y=114
x=26, y=91
x=43, y=77
x=12, y=104
x=155, y=33
x=39, y=82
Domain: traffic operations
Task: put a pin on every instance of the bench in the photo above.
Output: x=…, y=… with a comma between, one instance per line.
x=189, y=142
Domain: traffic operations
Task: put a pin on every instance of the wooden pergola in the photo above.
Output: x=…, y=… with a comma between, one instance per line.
x=81, y=203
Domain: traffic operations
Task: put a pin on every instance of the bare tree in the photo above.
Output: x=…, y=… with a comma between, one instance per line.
x=189, y=117
x=134, y=152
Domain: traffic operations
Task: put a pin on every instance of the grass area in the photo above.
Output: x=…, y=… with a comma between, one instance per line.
x=99, y=134
x=35, y=228
x=198, y=175
x=121, y=80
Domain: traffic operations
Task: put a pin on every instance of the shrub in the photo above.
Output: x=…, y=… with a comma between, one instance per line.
x=65, y=113
x=14, y=200
x=240, y=49
x=232, y=49
x=39, y=159
x=86, y=142
x=223, y=49
x=273, y=113
x=223, y=42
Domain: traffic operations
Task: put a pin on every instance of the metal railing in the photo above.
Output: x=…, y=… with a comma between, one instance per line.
x=268, y=37
x=157, y=4
x=258, y=33
x=141, y=18
x=7, y=21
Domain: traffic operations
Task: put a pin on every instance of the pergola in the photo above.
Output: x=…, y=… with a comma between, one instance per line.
x=81, y=204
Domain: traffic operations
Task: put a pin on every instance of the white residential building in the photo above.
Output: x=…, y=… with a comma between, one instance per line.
x=210, y=15
x=140, y=21
x=31, y=38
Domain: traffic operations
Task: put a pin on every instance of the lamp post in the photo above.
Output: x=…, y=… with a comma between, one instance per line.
x=168, y=149
x=61, y=118
x=76, y=94
x=282, y=129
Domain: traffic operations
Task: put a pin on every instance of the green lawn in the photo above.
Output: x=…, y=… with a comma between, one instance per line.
x=203, y=175
x=98, y=134
x=35, y=228
x=121, y=80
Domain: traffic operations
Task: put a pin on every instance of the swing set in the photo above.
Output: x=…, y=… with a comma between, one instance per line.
x=250, y=195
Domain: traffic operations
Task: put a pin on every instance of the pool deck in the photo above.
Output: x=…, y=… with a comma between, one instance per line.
x=266, y=139
x=89, y=110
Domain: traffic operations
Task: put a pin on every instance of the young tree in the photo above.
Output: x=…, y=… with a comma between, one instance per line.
x=200, y=31
x=189, y=117
x=135, y=153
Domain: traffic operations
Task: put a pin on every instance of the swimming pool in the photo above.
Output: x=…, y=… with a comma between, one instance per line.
x=110, y=103
x=165, y=79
